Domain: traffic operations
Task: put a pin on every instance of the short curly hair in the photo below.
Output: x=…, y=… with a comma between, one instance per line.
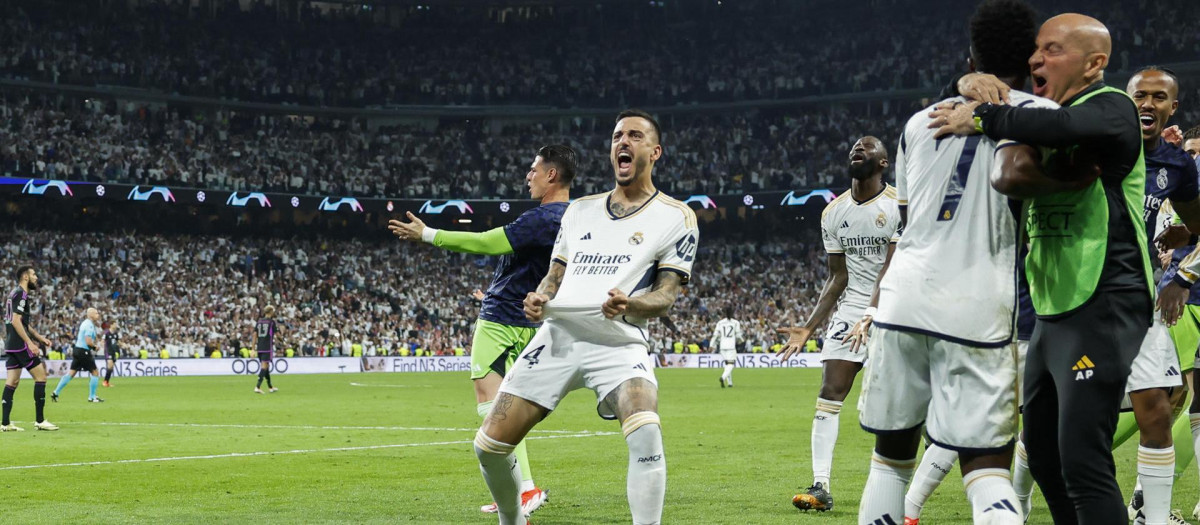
x=1003, y=36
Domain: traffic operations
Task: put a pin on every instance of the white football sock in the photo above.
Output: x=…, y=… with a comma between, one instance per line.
x=935, y=464
x=728, y=374
x=503, y=475
x=1156, y=472
x=647, y=481
x=824, y=438
x=883, y=497
x=1022, y=479
x=646, y=484
x=993, y=500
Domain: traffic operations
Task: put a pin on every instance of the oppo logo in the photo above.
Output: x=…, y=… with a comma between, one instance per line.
x=252, y=366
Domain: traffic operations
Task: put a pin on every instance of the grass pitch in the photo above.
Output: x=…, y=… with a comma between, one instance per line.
x=386, y=448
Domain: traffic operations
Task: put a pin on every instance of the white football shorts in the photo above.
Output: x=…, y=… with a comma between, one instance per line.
x=555, y=363
x=965, y=396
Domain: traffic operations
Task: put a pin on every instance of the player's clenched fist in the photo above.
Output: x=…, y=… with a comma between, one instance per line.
x=533, y=306
x=616, y=303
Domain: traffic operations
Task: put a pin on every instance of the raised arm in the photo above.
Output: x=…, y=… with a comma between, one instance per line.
x=491, y=242
x=1100, y=122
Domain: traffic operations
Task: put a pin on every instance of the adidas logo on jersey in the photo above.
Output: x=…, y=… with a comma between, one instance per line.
x=1083, y=368
x=586, y=237
x=1172, y=371
x=845, y=224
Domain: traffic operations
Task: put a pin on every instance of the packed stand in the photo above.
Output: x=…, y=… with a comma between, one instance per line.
x=715, y=154
x=559, y=56
x=193, y=295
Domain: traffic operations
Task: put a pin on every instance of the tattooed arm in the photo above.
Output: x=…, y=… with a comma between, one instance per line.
x=546, y=291
x=654, y=304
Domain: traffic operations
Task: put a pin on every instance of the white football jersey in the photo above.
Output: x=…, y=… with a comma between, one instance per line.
x=862, y=232
x=954, y=273
x=726, y=335
x=602, y=252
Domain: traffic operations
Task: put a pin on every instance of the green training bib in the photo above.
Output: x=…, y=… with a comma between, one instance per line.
x=1068, y=237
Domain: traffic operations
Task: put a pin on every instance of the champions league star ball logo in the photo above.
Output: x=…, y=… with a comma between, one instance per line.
x=504, y=207
x=1162, y=178
x=200, y=196
x=881, y=220
x=295, y=202
x=636, y=239
x=100, y=190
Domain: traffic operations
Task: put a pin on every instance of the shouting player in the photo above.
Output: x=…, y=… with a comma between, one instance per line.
x=524, y=247
x=83, y=359
x=1157, y=371
x=264, y=335
x=859, y=229
x=620, y=259
x=23, y=351
x=724, y=339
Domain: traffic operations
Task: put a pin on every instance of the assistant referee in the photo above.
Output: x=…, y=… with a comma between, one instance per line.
x=1089, y=276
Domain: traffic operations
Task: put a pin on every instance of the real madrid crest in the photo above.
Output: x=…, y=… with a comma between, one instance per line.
x=1162, y=178
x=636, y=239
x=881, y=220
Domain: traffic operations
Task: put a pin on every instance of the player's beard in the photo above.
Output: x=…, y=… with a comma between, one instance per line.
x=863, y=170
x=634, y=175
x=33, y=286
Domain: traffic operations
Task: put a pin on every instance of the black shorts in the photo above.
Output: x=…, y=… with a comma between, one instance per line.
x=113, y=355
x=82, y=360
x=265, y=356
x=24, y=358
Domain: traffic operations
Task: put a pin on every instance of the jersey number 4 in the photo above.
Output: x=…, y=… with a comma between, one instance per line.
x=532, y=356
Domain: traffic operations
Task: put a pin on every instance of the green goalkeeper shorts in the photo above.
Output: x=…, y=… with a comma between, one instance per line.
x=1186, y=335
x=495, y=346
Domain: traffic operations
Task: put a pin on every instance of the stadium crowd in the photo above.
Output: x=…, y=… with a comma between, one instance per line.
x=193, y=295
x=725, y=153
x=747, y=50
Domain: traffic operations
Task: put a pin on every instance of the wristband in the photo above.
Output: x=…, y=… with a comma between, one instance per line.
x=428, y=234
x=1182, y=281
x=870, y=311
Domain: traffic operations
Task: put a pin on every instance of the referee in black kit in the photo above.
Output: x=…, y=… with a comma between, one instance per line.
x=1089, y=275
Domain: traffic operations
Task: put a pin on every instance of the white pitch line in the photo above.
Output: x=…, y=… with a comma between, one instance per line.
x=389, y=386
x=281, y=452
x=302, y=427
